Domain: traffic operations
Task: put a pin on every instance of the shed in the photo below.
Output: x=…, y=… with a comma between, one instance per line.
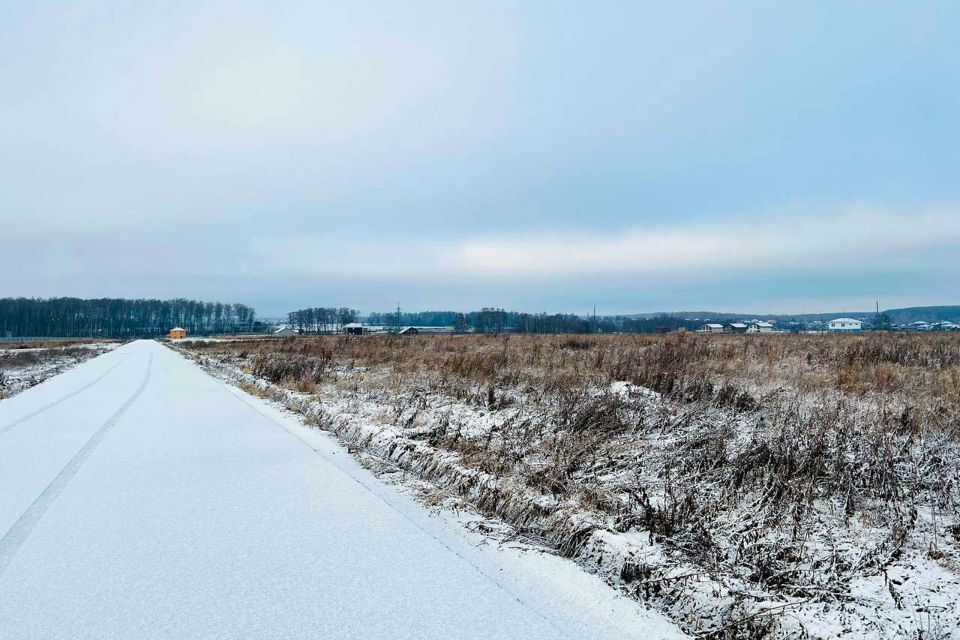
x=354, y=329
x=177, y=333
x=282, y=332
x=409, y=331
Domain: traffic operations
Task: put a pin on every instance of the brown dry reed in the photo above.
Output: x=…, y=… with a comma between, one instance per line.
x=764, y=452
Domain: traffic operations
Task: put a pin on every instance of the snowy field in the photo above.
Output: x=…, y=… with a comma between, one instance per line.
x=785, y=487
x=27, y=366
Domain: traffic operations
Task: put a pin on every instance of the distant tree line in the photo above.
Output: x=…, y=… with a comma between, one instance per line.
x=322, y=319
x=570, y=323
x=493, y=320
x=415, y=319
x=119, y=318
x=487, y=320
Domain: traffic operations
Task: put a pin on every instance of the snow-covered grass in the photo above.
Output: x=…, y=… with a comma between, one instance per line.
x=28, y=364
x=748, y=486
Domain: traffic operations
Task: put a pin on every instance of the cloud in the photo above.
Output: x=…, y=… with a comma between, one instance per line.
x=781, y=263
x=855, y=241
x=475, y=153
x=852, y=240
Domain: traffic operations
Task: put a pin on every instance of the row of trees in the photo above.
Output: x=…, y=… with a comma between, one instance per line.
x=494, y=320
x=415, y=319
x=487, y=320
x=322, y=319
x=498, y=321
x=119, y=318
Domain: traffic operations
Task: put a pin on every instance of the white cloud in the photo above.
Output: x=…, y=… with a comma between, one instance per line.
x=809, y=243
x=857, y=241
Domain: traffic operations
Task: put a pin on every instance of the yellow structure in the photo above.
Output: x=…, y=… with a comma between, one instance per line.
x=177, y=333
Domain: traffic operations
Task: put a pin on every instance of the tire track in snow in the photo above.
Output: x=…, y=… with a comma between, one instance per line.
x=14, y=538
x=5, y=428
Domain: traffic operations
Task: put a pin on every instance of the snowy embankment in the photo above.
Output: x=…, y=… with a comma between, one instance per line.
x=858, y=580
x=27, y=367
x=143, y=498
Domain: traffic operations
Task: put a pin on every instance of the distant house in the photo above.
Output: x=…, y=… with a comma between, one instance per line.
x=919, y=325
x=843, y=325
x=735, y=327
x=354, y=329
x=283, y=332
x=946, y=325
x=177, y=333
x=711, y=327
x=760, y=327
x=409, y=331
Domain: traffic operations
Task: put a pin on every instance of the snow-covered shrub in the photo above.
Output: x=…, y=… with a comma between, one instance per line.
x=781, y=485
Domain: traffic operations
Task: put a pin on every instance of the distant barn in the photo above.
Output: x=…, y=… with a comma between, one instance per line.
x=354, y=329
x=177, y=333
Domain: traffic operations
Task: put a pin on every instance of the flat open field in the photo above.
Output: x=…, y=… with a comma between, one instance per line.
x=747, y=486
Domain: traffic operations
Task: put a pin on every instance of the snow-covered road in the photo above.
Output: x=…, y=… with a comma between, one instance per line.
x=141, y=498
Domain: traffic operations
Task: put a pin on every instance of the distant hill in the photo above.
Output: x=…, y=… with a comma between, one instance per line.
x=927, y=314
x=897, y=316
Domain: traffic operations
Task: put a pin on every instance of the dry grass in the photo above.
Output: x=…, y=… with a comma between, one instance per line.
x=27, y=358
x=23, y=365
x=925, y=367
x=52, y=344
x=793, y=463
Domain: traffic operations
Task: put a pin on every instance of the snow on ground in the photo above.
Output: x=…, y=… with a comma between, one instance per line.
x=916, y=595
x=627, y=391
x=24, y=368
x=527, y=568
x=144, y=498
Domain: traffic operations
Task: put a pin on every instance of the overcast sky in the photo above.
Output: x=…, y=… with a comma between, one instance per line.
x=451, y=155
